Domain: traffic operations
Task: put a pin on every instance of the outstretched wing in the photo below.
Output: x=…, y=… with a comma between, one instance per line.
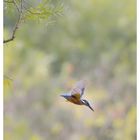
x=78, y=90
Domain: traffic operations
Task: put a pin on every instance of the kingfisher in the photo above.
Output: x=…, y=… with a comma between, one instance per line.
x=75, y=95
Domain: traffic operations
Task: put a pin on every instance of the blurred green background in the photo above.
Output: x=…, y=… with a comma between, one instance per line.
x=91, y=39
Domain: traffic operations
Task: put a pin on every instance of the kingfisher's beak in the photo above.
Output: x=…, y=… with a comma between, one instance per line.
x=90, y=107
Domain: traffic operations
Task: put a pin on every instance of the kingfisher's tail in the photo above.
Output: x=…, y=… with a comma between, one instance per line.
x=66, y=95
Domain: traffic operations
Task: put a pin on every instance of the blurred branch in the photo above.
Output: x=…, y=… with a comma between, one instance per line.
x=41, y=11
x=37, y=13
x=14, y=30
x=17, y=23
x=15, y=3
x=7, y=77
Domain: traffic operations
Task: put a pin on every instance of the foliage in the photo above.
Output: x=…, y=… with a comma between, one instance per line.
x=25, y=11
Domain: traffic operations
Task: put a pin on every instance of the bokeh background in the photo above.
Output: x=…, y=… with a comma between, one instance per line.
x=93, y=40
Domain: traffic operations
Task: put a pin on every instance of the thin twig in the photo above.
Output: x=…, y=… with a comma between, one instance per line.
x=7, y=77
x=14, y=31
x=21, y=7
x=32, y=12
x=15, y=3
x=16, y=26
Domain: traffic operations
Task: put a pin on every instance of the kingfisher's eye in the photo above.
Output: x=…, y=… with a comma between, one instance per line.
x=85, y=102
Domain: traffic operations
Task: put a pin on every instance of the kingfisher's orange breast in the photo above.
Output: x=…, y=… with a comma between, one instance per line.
x=75, y=101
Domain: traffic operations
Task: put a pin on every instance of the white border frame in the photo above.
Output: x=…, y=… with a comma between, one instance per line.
x=1, y=70
x=138, y=69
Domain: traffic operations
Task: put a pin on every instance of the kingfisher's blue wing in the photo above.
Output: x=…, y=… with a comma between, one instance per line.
x=78, y=90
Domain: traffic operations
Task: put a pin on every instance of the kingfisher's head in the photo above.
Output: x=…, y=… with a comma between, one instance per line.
x=85, y=102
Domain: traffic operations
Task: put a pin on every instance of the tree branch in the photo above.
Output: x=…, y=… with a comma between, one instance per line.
x=41, y=11
x=14, y=30
x=17, y=23
x=15, y=3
